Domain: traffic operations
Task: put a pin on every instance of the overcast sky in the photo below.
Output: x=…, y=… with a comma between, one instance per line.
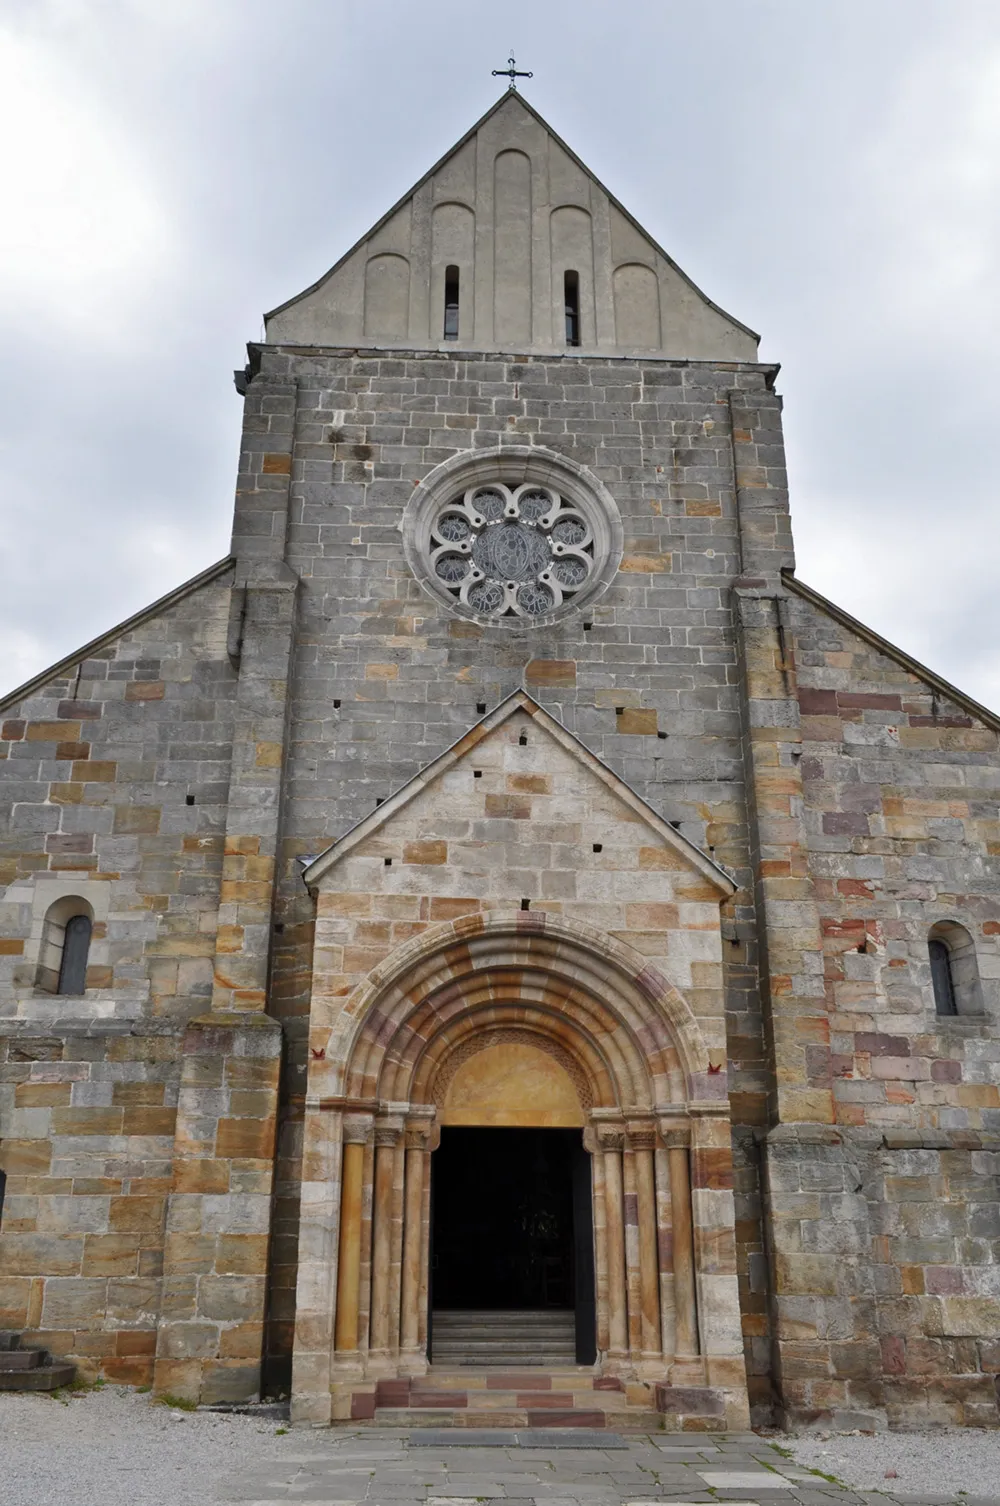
x=826, y=170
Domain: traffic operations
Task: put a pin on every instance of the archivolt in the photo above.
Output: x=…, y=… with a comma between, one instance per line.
x=630, y=1033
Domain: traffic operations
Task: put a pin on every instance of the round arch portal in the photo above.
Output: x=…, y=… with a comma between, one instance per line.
x=597, y=1040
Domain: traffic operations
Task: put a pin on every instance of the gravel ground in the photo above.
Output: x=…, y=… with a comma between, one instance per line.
x=941, y=1463
x=116, y=1448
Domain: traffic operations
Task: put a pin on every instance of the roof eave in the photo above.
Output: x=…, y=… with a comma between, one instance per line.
x=162, y=604
x=935, y=681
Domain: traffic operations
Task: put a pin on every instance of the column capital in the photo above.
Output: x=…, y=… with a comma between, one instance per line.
x=640, y=1131
x=358, y=1129
x=421, y=1134
x=388, y=1131
x=610, y=1136
x=673, y=1134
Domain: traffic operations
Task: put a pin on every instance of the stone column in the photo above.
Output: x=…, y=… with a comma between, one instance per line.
x=642, y=1142
x=665, y=1251
x=423, y=1315
x=346, y=1332
x=387, y=1139
x=413, y=1231
x=396, y=1244
x=633, y=1287
x=685, y=1301
x=599, y=1206
x=612, y=1142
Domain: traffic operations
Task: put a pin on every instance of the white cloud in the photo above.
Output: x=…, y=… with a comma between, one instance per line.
x=934, y=182
x=84, y=232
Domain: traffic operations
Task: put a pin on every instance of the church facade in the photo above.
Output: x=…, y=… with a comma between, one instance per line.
x=498, y=934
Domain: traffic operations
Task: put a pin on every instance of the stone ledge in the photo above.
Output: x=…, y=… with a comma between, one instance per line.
x=57, y=1031
x=860, y=1139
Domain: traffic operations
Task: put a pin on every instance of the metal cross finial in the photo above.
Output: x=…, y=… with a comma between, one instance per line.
x=512, y=72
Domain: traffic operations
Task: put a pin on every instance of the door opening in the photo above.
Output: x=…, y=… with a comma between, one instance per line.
x=512, y=1226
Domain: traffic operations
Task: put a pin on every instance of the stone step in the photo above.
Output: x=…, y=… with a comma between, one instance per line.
x=514, y=1347
x=20, y=1359
x=636, y=1419
x=502, y=1360
x=43, y=1378
x=516, y=1337
x=523, y=1340
x=544, y=1318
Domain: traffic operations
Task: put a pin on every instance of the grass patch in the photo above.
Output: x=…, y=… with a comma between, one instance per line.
x=280, y=1432
x=830, y=1479
x=179, y=1403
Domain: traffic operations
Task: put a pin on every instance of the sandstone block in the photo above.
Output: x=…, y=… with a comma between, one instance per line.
x=244, y=1139
x=978, y=1317
x=188, y=1341
x=74, y=1303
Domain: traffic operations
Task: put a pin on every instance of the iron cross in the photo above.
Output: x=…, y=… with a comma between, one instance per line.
x=512, y=72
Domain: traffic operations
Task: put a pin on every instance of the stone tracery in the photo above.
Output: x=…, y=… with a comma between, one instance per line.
x=512, y=536
x=512, y=550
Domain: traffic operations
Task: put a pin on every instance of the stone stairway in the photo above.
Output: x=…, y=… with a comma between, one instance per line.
x=513, y=1339
x=30, y=1369
x=465, y=1397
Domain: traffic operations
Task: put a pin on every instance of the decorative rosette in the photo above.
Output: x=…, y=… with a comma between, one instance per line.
x=511, y=551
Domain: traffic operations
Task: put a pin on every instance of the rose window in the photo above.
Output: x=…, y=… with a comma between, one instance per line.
x=505, y=551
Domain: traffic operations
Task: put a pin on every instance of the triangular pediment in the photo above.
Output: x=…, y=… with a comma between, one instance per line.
x=517, y=765
x=496, y=228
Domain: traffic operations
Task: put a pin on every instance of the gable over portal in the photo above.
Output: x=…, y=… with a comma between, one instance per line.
x=503, y=226
x=518, y=819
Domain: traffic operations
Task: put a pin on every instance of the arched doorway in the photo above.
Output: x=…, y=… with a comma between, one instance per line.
x=517, y=1022
x=511, y=1229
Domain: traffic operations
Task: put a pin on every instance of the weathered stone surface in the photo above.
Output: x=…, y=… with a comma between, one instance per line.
x=173, y=779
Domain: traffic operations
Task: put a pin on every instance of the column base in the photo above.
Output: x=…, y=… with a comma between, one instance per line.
x=413, y=1362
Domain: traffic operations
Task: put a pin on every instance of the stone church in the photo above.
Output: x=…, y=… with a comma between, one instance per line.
x=499, y=946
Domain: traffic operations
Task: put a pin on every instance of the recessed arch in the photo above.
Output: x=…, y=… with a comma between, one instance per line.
x=954, y=969
x=65, y=946
x=632, y=1033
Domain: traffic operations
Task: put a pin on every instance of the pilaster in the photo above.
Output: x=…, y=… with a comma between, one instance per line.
x=210, y=1334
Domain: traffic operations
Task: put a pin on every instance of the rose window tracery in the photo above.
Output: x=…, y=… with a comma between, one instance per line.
x=511, y=551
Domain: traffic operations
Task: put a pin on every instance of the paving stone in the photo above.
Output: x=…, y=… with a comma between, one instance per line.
x=563, y=1438
x=462, y=1438
x=746, y=1479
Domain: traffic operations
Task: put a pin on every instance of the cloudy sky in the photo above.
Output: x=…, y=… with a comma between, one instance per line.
x=826, y=170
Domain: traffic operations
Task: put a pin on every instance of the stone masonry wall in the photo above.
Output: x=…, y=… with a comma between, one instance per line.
x=114, y=777
x=885, y=1223
x=384, y=679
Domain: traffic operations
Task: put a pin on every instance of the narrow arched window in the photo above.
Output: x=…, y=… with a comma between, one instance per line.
x=571, y=289
x=944, y=985
x=67, y=932
x=451, y=303
x=954, y=970
x=76, y=949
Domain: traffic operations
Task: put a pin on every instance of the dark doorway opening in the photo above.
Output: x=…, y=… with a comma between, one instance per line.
x=511, y=1225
